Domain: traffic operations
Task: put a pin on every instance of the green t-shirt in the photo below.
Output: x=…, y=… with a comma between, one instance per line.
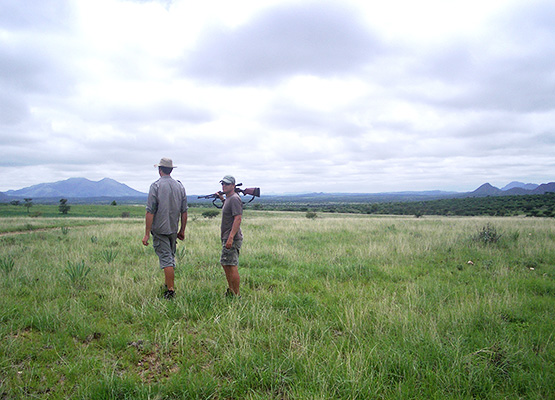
x=233, y=206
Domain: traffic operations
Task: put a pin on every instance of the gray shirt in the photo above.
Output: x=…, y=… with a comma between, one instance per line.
x=167, y=200
x=232, y=206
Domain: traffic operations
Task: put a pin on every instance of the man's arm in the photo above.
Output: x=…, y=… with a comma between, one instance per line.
x=149, y=218
x=181, y=233
x=234, y=230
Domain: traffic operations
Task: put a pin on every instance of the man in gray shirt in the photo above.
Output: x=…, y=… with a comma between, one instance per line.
x=231, y=235
x=166, y=207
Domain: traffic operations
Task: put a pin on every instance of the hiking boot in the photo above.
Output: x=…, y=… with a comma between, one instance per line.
x=169, y=294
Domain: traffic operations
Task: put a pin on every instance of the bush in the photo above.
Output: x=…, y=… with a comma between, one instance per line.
x=210, y=213
x=311, y=215
x=63, y=207
x=488, y=234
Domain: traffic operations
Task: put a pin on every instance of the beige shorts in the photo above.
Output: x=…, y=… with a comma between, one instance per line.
x=164, y=246
x=231, y=256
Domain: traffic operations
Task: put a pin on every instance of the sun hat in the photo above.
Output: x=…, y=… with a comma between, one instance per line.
x=165, y=162
x=228, y=179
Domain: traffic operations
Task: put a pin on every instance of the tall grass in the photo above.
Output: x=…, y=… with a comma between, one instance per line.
x=339, y=306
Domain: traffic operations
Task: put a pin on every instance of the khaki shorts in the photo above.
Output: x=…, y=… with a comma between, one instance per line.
x=231, y=256
x=164, y=246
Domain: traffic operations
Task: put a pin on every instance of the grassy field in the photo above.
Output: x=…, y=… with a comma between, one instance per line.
x=335, y=307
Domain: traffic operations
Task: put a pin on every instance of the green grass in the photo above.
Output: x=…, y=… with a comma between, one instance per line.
x=339, y=306
x=77, y=210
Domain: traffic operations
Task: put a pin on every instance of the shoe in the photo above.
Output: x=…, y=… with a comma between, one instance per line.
x=169, y=294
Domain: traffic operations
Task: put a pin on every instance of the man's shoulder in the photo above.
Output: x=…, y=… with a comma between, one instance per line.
x=155, y=184
x=236, y=199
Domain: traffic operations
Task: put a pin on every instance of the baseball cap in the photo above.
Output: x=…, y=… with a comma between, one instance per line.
x=228, y=179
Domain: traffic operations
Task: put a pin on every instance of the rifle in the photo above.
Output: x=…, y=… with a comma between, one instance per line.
x=254, y=192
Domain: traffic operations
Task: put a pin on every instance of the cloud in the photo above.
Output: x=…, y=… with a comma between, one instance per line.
x=304, y=38
x=29, y=15
x=508, y=67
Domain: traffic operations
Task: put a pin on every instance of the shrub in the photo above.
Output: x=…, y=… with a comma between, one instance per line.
x=488, y=234
x=210, y=213
x=63, y=207
x=311, y=215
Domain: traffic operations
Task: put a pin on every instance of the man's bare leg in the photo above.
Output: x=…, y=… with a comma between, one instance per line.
x=232, y=276
x=169, y=274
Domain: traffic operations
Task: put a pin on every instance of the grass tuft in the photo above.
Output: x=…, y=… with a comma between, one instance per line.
x=7, y=264
x=77, y=272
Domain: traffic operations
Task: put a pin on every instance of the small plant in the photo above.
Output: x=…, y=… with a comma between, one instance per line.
x=77, y=271
x=65, y=230
x=487, y=235
x=94, y=239
x=125, y=214
x=311, y=215
x=109, y=255
x=7, y=264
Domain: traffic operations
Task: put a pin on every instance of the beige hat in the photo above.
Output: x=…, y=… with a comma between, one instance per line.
x=165, y=162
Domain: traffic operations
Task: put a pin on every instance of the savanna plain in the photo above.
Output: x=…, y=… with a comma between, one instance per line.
x=340, y=306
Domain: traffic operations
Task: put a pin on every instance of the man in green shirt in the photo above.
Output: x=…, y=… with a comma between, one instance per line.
x=231, y=235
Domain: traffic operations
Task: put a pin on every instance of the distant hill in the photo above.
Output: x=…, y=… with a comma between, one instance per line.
x=521, y=185
x=76, y=188
x=486, y=190
x=544, y=188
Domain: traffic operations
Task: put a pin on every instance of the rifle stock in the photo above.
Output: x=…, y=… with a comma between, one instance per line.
x=250, y=191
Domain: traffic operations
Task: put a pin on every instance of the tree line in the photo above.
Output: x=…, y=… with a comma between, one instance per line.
x=542, y=205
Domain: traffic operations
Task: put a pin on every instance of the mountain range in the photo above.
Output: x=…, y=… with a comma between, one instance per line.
x=84, y=190
x=512, y=189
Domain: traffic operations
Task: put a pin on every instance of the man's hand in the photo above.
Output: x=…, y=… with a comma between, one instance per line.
x=229, y=243
x=145, y=239
x=181, y=235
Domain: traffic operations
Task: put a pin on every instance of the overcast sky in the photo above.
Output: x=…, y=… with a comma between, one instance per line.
x=291, y=96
